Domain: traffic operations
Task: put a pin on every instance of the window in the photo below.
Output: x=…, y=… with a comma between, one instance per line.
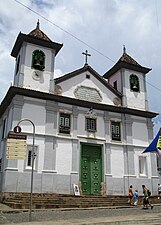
x=29, y=157
x=0, y=164
x=87, y=76
x=159, y=163
x=115, y=131
x=134, y=83
x=18, y=64
x=91, y=124
x=64, y=123
x=38, y=60
x=3, y=128
x=142, y=166
x=115, y=85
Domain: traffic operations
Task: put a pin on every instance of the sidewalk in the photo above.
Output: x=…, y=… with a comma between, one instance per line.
x=143, y=218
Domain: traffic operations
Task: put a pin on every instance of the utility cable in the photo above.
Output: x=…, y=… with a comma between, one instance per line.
x=78, y=39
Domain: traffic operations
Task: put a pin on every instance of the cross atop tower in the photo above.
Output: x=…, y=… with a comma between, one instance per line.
x=86, y=55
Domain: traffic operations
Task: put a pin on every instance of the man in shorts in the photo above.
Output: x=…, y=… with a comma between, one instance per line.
x=146, y=198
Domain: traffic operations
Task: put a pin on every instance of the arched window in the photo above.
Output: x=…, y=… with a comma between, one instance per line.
x=38, y=60
x=134, y=83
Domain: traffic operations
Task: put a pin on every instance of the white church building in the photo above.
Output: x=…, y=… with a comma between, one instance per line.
x=90, y=130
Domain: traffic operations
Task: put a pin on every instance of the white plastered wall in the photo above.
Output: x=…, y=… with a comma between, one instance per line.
x=134, y=100
x=140, y=133
x=64, y=157
x=43, y=84
x=35, y=112
x=116, y=77
x=117, y=162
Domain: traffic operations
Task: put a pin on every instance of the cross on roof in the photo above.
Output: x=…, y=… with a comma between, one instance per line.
x=86, y=55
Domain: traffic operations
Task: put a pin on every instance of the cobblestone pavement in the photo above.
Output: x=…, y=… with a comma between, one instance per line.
x=73, y=216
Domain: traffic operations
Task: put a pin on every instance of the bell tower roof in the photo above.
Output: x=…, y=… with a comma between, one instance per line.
x=36, y=37
x=127, y=58
x=37, y=33
x=127, y=62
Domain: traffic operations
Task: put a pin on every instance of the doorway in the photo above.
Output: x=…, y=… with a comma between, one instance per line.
x=91, y=169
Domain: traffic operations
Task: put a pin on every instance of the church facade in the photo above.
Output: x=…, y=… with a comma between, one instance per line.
x=90, y=130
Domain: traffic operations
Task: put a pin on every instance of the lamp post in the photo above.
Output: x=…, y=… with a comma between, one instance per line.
x=33, y=157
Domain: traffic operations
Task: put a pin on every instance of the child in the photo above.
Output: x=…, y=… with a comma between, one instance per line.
x=136, y=197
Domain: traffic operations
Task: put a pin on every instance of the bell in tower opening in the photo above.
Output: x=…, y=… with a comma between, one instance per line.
x=38, y=60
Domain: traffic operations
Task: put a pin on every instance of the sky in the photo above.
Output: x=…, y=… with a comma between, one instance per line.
x=101, y=27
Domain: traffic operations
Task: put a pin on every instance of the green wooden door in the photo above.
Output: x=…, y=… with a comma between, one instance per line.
x=91, y=169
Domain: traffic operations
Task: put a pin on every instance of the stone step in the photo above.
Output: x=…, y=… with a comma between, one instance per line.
x=48, y=200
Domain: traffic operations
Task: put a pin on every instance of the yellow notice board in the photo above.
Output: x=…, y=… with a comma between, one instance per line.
x=159, y=142
x=16, y=149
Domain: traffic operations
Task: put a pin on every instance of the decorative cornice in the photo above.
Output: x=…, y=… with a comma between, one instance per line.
x=70, y=101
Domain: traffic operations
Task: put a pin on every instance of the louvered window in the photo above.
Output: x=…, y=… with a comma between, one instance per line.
x=91, y=124
x=115, y=131
x=64, y=123
x=29, y=156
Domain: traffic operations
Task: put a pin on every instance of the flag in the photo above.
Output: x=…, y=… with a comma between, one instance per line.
x=155, y=145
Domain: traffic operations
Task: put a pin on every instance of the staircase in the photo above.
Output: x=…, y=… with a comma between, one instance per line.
x=51, y=201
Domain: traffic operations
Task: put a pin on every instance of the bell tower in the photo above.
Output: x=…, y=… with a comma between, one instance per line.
x=129, y=78
x=35, y=56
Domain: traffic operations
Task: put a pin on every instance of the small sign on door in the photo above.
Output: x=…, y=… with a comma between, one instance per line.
x=76, y=190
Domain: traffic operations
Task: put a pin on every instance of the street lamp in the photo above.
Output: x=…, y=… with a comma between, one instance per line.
x=17, y=129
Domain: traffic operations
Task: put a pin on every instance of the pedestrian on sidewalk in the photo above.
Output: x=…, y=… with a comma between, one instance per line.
x=136, y=197
x=130, y=195
x=146, y=194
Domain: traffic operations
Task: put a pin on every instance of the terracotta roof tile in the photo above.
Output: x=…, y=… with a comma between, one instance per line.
x=126, y=58
x=39, y=34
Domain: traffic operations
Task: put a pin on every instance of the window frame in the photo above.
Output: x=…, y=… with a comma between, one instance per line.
x=143, y=172
x=90, y=124
x=4, y=124
x=29, y=148
x=1, y=163
x=115, y=85
x=64, y=123
x=115, y=135
x=18, y=64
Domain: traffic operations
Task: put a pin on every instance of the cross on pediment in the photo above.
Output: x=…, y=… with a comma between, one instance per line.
x=86, y=55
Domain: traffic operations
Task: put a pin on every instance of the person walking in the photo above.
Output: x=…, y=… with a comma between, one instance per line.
x=136, y=197
x=146, y=202
x=130, y=195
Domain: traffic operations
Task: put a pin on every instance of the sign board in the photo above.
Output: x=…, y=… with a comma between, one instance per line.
x=16, y=146
x=17, y=129
x=17, y=136
x=76, y=190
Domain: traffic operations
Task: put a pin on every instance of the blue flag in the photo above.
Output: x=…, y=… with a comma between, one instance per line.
x=155, y=145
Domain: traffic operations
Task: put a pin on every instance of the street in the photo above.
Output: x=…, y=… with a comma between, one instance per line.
x=73, y=216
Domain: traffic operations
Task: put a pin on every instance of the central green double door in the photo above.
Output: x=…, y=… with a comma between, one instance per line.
x=91, y=169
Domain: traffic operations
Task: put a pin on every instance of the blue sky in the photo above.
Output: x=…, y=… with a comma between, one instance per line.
x=105, y=25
